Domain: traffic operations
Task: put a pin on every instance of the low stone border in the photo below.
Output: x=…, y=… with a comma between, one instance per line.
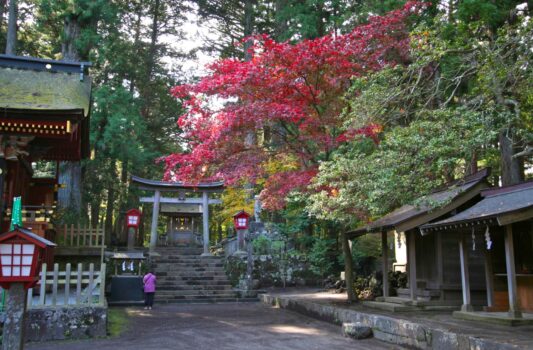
x=389, y=329
x=69, y=322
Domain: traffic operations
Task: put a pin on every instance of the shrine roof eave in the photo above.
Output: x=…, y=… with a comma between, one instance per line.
x=166, y=186
x=500, y=206
x=440, y=202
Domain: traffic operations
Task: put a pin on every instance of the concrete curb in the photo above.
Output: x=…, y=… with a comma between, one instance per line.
x=389, y=329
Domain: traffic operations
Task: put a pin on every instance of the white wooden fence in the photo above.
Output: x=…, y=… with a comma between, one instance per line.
x=69, y=287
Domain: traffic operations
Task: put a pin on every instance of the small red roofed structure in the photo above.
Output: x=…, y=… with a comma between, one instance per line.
x=21, y=254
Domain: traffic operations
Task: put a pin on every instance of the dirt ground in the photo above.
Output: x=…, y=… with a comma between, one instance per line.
x=246, y=326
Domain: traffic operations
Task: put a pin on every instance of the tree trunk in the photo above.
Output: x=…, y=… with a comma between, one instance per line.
x=472, y=167
x=153, y=39
x=511, y=167
x=95, y=213
x=248, y=27
x=136, y=40
x=71, y=32
x=281, y=27
x=69, y=197
x=70, y=173
x=11, y=43
x=109, y=212
x=2, y=11
x=348, y=268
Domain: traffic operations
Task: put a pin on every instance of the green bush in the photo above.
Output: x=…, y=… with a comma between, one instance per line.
x=262, y=245
x=320, y=257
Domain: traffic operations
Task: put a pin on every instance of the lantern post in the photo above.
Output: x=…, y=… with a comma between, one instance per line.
x=21, y=255
x=241, y=221
x=133, y=220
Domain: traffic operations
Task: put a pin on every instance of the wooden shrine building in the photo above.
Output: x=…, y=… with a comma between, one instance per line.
x=500, y=227
x=186, y=215
x=44, y=119
x=432, y=260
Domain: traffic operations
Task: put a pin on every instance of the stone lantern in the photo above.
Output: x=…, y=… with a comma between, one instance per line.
x=21, y=255
x=133, y=221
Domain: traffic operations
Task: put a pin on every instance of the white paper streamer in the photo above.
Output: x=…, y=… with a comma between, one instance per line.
x=487, y=238
x=473, y=239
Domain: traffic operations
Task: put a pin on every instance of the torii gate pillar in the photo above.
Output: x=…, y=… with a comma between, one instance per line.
x=205, y=218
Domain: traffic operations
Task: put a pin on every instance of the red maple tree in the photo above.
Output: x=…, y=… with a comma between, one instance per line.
x=281, y=106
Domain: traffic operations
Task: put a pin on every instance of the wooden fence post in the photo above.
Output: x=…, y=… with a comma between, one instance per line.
x=43, y=285
x=54, y=284
x=91, y=284
x=78, y=284
x=102, y=284
x=67, y=284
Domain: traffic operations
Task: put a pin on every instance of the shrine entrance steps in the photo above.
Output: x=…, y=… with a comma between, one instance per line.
x=184, y=276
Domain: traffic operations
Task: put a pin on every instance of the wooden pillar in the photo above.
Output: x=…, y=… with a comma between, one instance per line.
x=489, y=278
x=465, y=280
x=205, y=217
x=385, y=257
x=514, y=308
x=411, y=262
x=155, y=217
x=3, y=171
x=439, y=261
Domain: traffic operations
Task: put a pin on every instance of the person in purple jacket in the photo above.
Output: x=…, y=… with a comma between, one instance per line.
x=149, y=290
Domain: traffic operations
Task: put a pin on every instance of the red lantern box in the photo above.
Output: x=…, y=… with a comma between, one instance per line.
x=21, y=255
x=241, y=220
x=133, y=218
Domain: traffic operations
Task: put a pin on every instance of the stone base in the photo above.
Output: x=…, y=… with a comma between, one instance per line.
x=71, y=322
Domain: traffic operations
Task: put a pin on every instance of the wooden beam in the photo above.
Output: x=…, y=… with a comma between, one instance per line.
x=168, y=200
x=465, y=276
x=516, y=216
x=514, y=308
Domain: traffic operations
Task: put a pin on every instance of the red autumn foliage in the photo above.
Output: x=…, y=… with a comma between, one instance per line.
x=284, y=103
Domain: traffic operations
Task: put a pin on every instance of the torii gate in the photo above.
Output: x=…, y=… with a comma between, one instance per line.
x=163, y=186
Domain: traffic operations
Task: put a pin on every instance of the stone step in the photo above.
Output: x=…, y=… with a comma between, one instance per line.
x=172, y=267
x=190, y=263
x=390, y=307
x=228, y=299
x=177, y=252
x=188, y=293
x=191, y=273
x=177, y=256
x=178, y=282
x=193, y=287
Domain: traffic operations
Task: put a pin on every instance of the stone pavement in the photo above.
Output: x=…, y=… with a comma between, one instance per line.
x=421, y=330
x=235, y=326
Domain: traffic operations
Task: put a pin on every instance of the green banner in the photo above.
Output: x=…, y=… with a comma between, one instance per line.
x=16, y=213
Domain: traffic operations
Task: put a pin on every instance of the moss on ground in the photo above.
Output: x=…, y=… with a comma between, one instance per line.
x=117, y=321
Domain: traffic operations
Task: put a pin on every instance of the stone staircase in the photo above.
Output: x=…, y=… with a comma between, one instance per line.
x=184, y=276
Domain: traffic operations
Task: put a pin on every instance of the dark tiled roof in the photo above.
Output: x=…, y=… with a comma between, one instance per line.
x=430, y=203
x=496, y=202
x=170, y=186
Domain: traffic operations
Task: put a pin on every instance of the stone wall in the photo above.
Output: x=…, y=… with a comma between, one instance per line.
x=59, y=323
